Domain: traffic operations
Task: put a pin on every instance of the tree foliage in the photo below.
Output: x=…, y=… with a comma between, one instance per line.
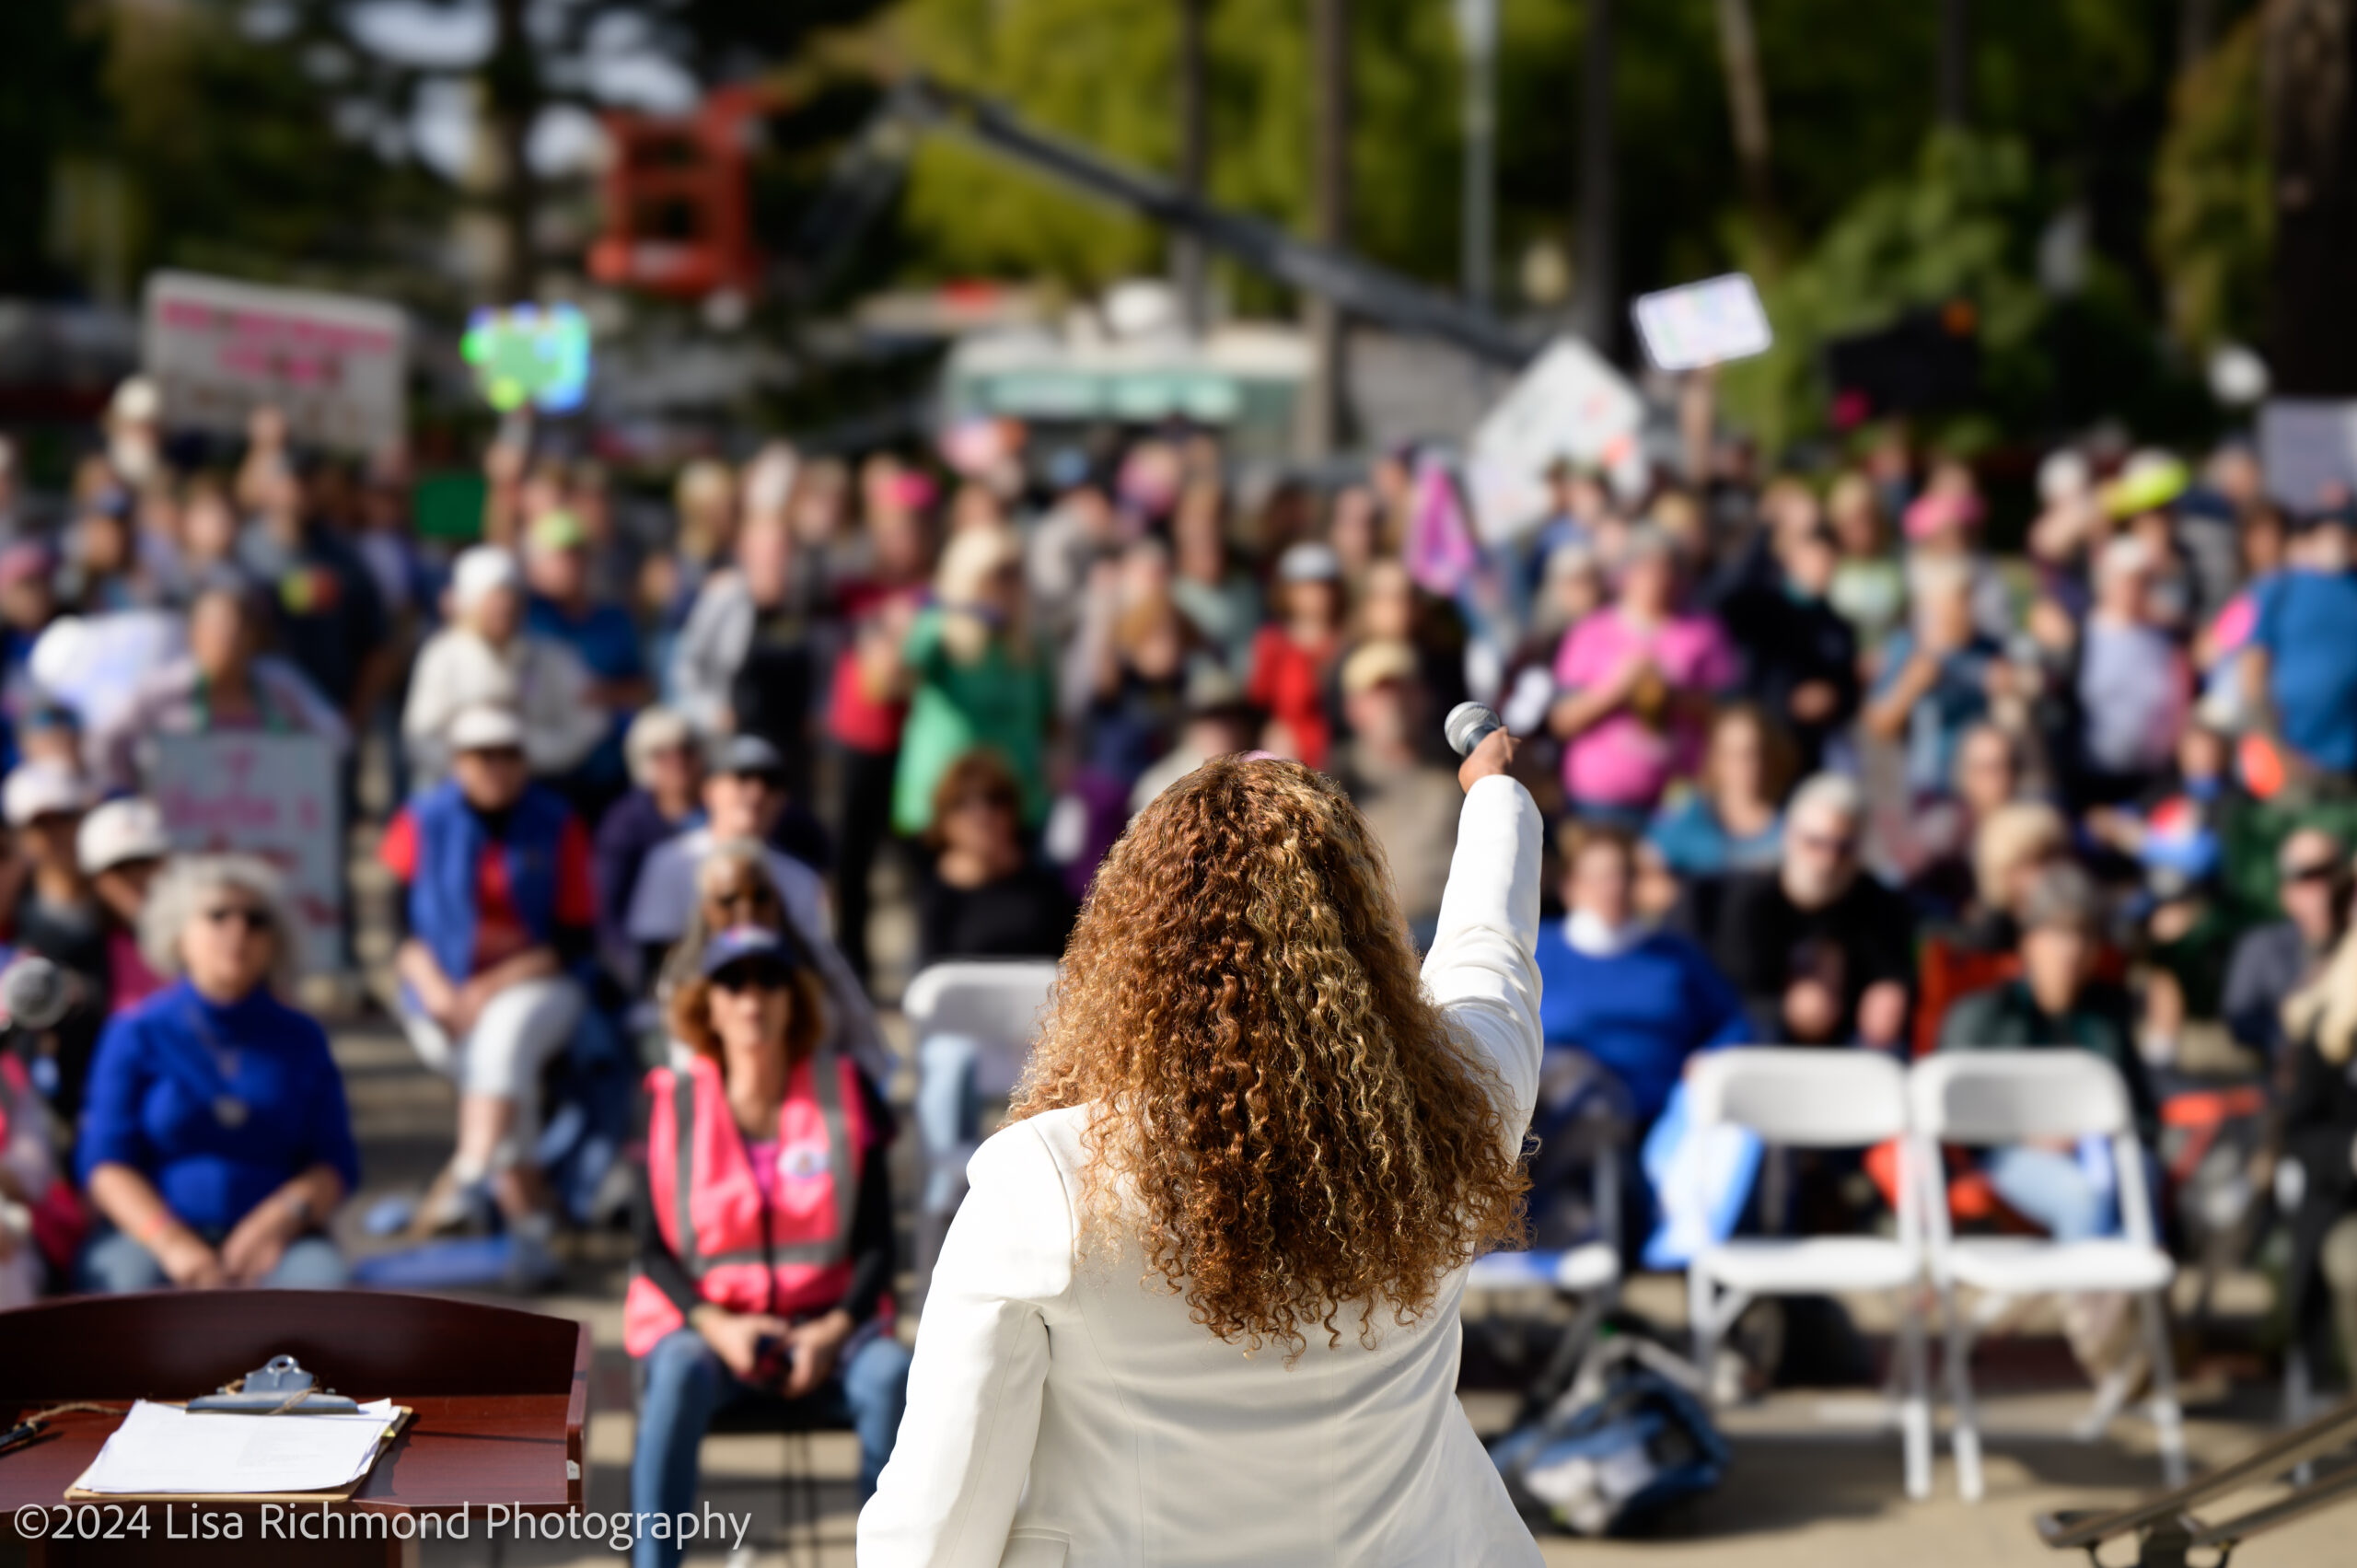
x=2213, y=212
x=1960, y=227
x=284, y=188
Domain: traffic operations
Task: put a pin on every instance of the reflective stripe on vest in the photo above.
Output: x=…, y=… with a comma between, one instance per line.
x=827, y=1089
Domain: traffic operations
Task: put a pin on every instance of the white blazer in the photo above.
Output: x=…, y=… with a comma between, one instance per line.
x=1063, y=1414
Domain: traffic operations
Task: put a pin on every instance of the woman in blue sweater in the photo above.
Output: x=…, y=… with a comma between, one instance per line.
x=1637, y=1001
x=215, y=1139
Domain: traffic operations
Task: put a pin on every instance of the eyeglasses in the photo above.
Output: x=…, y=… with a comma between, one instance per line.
x=739, y=979
x=2322, y=871
x=502, y=756
x=255, y=921
x=746, y=898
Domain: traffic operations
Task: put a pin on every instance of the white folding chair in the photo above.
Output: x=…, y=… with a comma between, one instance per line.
x=1989, y=1097
x=1815, y=1099
x=995, y=1002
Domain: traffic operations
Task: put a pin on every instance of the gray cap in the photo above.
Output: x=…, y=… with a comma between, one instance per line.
x=747, y=755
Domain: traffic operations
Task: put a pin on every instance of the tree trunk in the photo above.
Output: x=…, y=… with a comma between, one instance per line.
x=2309, y=67
x=1329, y=213
x=1956, y=62
x=1748, y=112
x=512, y=81
x=1595, y=281
x=1187, y=259
x=2197, y=27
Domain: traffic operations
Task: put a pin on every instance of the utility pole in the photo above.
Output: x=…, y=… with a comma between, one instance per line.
x=1477, y=32
x=1956, y=64
x=1330, y=22
x=1188, y=272
x=1595, y=284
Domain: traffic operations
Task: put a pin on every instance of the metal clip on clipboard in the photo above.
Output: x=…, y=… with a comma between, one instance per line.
x=280, y=1387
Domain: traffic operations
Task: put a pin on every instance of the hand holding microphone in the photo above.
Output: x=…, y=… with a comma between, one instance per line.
x=1479, y=736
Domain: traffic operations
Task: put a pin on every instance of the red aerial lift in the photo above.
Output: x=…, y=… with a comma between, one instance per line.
x=677, y=219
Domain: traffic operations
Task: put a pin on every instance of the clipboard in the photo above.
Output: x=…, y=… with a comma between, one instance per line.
x=401, y=1417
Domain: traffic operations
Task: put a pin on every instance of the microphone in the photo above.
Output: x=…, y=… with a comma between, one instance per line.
x=34, y=994
x=1469, y=725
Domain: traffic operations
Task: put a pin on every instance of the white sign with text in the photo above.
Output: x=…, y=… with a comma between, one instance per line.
x=1570, y=406
x=272, y=796
x=1709, y=322
x=218, y=349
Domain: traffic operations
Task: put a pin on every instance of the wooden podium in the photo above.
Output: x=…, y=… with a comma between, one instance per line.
x=501, y=1397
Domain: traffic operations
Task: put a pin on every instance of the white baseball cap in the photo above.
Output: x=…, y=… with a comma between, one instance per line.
x=483, y=570
x=485, y=728
x=121, y=830
x=40, y=789
x=136, y=400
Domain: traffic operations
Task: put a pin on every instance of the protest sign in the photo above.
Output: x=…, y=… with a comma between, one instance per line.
x=94, y=664
x=1709, y=322
x=272, y=796
x=2307, y=449
x=1571, y=405
x=218, y=349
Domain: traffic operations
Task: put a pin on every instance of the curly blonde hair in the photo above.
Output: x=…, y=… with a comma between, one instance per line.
x=1279, y=1111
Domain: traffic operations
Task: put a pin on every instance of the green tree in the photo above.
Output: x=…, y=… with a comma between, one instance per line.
x=49, y=99
x=537, y=60
x=1101, y=73
x=2214, y=206
x=1962, y=226
x=284, y=188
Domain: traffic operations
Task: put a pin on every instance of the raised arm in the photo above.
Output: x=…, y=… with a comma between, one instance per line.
x=1482, y=969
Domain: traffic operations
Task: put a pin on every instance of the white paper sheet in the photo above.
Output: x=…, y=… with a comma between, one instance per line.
x=162, y=1448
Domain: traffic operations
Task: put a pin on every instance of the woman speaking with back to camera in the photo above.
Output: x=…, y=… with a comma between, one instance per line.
x=1201, y=1304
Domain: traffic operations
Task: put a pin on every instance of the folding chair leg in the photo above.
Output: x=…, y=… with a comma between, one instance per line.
x=2295, y=1403
x=2166, y=1419
x=1915, y=1410
x=2111, y=1396
x=1571, y=1352
x=1967, y=1440
x=1701, y=1326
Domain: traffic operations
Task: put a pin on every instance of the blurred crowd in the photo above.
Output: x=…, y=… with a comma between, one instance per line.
x=1826, y=768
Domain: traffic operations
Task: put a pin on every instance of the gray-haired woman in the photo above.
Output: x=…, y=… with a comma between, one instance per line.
x=214, y=1138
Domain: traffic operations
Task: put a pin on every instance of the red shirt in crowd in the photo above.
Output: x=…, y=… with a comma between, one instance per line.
x=1289, y=684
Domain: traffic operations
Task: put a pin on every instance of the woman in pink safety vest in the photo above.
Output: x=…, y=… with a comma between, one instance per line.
x=764, y=1228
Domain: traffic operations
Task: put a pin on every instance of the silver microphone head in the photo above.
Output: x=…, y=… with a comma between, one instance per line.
x=33, y=993
x=1467, y=725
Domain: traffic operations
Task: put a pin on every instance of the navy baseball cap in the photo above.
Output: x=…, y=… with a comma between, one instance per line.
x=748, y=756
x=752, y=945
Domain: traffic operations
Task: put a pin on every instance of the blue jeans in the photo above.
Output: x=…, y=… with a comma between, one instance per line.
x=950, y=1116
x=114, y=1263
x=687, y=1385
x=2054, y=1189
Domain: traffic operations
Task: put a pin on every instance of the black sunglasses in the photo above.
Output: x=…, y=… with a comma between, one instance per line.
x=739, y=978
